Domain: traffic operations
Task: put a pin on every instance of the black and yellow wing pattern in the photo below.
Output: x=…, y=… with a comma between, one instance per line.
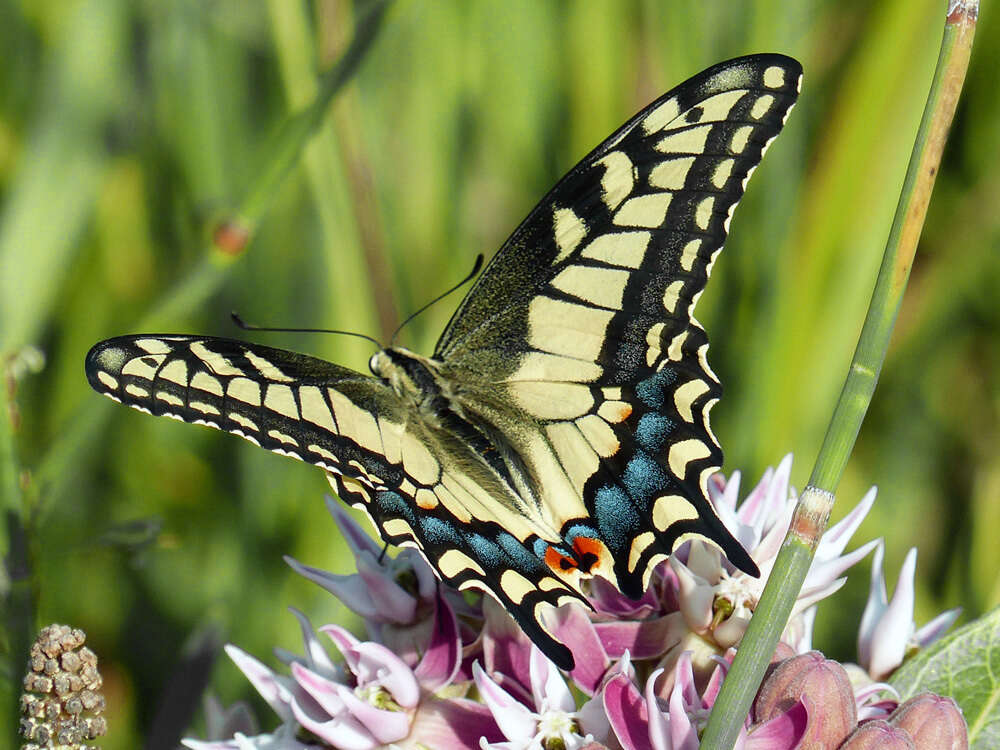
x=561, y=428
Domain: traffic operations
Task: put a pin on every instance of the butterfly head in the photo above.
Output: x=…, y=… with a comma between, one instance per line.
x=412, y=377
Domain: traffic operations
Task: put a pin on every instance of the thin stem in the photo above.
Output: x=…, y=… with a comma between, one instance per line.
x=229, y=240
x=813, y=509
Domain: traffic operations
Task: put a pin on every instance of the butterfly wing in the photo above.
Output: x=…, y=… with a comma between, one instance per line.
x=421, y=486
x=575, y=353
x=583, y=320
x=288, y=403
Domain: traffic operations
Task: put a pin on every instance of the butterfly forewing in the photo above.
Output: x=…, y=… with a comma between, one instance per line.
x=289, y=403
x=561, y=429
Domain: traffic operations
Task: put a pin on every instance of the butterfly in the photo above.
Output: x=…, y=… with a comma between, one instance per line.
x=560, y=429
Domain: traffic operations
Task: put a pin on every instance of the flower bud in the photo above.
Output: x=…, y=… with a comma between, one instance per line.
x=934, y=722
x=824, y=682
x=62, y=701
x=878, y=735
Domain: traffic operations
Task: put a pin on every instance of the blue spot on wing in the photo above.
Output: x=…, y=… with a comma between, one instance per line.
x=653, y=432
x=436, y=531
x=393, y=504
x=652, y=391
x=524, y=560
x=616, y=516
x=486, y=551
x=644, y=478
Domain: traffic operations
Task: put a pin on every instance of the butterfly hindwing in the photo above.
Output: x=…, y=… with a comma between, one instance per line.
x=584, y=317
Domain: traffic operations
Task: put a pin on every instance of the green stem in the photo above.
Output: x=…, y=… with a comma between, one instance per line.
x=813, y=510
x=296, y=130
x=17, y=586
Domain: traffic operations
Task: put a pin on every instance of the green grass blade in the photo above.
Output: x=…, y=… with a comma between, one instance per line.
x=813, y=509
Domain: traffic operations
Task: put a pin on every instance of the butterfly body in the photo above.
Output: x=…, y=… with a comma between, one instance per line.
x=560, y=428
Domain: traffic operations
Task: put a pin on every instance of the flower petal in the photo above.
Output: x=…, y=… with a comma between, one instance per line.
x=547, y=685
x=321, y=690
x=267, y=683
x=646, y=639
x=835, y=538
x=874, y=607
x=316, y=656
x=936, y=627
x=354, y=535
x=785, y=730
x=386, y=669
x=443, y=657
x=385, y=726
x=822, y=571
x=458, y=723
x=506, y=649
x=610, y=601
x=393, y=602
x=893, y=630
x=683, y=734
x=350, y=589
x=343, y=731
x=696, y=596
x=516, y=722
x=571, y=626
x=628, y=713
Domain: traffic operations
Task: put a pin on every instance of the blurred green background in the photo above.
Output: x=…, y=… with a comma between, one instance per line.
x=130, y=130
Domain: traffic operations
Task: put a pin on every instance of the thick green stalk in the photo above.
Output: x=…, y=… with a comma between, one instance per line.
x=813, y=509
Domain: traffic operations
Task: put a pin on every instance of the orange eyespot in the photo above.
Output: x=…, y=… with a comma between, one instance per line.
x=588, y=552
x=559, y=562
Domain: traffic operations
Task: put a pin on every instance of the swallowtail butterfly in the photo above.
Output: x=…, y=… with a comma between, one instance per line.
x=560, y=429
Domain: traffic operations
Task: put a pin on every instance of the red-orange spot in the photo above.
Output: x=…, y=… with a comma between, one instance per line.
x=558, y=561
x=588, y=551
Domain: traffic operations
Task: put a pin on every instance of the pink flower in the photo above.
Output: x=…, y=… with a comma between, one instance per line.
x=396, y=596
x=717, y=600
x=374, y=699
x=550, y=717
x=888, y=634
x=699, y=602
x=646, y=722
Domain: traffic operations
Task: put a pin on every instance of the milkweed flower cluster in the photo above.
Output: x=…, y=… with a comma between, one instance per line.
x=445, y=670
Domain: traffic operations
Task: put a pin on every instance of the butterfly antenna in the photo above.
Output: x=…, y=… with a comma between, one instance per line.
x=471, y=275
x=240, y=323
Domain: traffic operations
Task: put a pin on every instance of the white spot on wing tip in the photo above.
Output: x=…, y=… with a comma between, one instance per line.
x=774, y=77
x=107, y=380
